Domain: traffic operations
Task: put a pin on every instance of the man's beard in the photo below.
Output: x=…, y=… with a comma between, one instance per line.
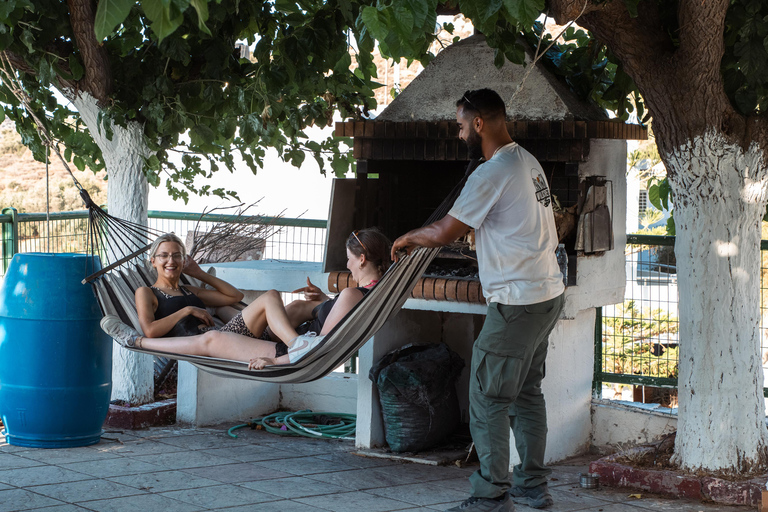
x=474, y=146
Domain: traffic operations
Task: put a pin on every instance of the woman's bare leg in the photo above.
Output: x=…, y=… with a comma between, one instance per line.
x=224, y=345
x=269, y=309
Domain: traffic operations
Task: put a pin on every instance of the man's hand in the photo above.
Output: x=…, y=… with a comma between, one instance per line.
x=437, y=234
x=401, y=243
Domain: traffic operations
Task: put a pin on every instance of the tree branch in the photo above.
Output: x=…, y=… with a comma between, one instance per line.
x=97, y=79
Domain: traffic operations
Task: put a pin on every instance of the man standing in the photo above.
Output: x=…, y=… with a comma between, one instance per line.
x=507, y=201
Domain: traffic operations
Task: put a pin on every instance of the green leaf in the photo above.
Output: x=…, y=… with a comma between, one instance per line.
x=109, y=14
x=163, y=16
x=632, y=7
x=75, y=67
x=372, y=20
x=28, y=39
x=201, y=7
x=653, y=196
x=524, y=11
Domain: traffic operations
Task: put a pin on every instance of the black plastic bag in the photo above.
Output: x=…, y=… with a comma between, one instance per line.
x=417, y=389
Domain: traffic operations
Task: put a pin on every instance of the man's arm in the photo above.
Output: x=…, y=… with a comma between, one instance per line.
x=437, y=234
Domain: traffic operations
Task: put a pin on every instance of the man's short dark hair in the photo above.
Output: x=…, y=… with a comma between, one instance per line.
x=486, y=103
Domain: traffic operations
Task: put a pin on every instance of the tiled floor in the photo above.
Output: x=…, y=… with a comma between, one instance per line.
x=186, y=470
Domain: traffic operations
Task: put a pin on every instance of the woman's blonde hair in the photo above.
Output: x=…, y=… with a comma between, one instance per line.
x=168, y=237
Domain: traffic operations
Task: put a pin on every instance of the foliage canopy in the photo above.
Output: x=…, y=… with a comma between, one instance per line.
x=173, y=67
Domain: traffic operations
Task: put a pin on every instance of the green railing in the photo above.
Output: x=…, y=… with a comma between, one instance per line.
x=293, y=239
x=637, y=342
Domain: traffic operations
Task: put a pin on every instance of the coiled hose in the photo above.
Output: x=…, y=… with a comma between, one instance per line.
x=322, y=425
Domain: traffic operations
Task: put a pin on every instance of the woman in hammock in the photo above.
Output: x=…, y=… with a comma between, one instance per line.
x=174, y=319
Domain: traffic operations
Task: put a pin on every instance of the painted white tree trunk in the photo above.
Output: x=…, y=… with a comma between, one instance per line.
x=720, y=196
x=127, y=197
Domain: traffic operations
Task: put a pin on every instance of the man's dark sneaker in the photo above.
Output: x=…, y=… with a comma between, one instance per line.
x=535, y=497
x=503, y=504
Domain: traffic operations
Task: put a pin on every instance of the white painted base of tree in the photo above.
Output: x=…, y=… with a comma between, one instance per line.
x=721, y=415
x=128, y=198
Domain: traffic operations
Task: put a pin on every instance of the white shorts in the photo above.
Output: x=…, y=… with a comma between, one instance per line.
x=303, y=344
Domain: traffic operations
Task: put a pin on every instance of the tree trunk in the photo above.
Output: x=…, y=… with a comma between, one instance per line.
x=720, y=195
x=127, y=197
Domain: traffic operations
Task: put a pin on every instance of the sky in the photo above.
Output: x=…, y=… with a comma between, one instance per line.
x=279, y=187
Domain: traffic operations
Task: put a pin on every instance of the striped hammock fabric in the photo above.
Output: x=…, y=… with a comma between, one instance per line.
x=115, y=291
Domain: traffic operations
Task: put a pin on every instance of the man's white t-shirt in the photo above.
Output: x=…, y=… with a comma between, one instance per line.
x=507, y=201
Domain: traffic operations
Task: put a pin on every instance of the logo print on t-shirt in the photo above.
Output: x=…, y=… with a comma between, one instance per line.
x=542, y=190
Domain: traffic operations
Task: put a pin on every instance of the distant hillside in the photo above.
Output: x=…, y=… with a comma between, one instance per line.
x=22, y=179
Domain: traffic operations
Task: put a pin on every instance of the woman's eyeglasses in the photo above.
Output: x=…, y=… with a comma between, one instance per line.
x=164, y=256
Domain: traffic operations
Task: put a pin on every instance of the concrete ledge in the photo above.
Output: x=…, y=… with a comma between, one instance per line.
x=149, y=415
x=718, y=490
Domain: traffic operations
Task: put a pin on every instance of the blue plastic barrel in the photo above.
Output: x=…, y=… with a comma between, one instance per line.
x=55, y=361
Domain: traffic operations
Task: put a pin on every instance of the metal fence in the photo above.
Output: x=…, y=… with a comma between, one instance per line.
x=293, y=239
x=637, y=342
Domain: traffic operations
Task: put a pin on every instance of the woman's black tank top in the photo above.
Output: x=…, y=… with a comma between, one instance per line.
x=169, y=304
x=320, y=314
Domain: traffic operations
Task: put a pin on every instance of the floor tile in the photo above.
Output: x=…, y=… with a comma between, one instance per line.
x=358, y=461
x=273, y=506
x=58, y=508
x=422, y=472
x=162, y=481
x=361, y=479
x=184, y=460
x=16, y=461
x=294, y=487
x=671, y=505
x=142, y=447
x=304, y=465
x=41, y=475
x=354, y=502
x=254, y=453
x=19, y=499
x=202, y=441
x=421, y=494
x=147, y=502
x=221, y=496
x=62, y=456
x=119, y=466
x=236, y=473
x=76, y=492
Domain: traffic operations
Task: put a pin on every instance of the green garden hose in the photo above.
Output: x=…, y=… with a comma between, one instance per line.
x=321, y=425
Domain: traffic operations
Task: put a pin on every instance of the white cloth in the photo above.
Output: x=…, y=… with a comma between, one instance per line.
x=507, y=201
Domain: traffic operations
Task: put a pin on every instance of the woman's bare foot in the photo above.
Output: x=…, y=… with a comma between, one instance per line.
x=258, y=363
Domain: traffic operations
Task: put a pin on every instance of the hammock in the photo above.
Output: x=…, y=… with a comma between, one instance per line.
x=124, y=243
x=115, y=289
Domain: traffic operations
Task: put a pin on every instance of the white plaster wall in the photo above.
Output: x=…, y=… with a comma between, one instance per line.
x=336, y=392
x=614, y=423
x=567, y=387
x=601, y=279
x=207, y=399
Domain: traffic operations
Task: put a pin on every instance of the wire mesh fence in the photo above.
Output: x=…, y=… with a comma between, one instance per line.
x=289, y=239
x=637, y=342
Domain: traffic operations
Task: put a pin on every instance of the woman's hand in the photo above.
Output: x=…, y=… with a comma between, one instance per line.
x=202, y=314
x=191, y=268
x=258, y=363
x=312, y=292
